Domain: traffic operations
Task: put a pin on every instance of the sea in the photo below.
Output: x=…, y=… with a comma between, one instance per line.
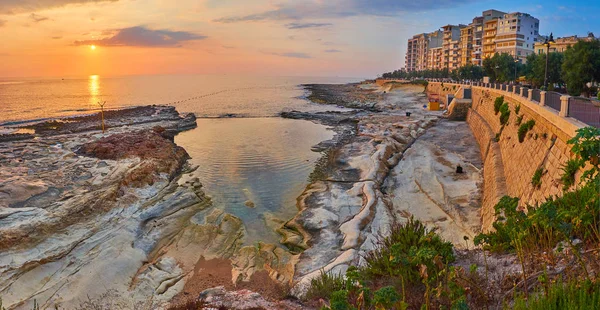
x=252, y=163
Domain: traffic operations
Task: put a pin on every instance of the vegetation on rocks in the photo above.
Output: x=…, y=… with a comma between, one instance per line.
x=555, y=244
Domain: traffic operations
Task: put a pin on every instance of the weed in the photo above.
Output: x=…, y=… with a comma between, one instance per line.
x=569, y=170
x=324, y=284
x=571, y=295
x=524, y=128
x=504, y=113
x=497, y=104
x=519, y=120
x=536, y=180
x=517, y=109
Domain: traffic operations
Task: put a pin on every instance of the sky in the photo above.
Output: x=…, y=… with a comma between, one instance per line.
x=349, y=38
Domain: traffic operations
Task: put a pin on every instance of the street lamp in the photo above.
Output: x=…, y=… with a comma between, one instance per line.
x=547, y=44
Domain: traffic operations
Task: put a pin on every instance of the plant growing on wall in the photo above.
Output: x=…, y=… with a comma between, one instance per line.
x=517, y=109
x=519, y=120
x=524, y=128
x=498, y=103
x=536, y=180
x=504, y=113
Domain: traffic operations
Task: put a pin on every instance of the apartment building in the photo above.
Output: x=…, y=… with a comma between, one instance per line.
x=517, y=34
x=466, y=45
x=489, y=38
x=451, y=46
x=416, y=58
x=478, y=25
x=561, y=44
x=458, y=45
x=434, y=59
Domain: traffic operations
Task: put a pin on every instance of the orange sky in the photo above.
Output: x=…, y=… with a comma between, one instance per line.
x=353, y=38
x=41, y=41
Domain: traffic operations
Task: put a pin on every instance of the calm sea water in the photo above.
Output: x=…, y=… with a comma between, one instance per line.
x=205, y=95
x=259, y=158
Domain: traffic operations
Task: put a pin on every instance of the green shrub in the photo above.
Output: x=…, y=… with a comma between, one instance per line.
x=497, y=104
x=324, y=284
x=339, y=301
x=388, y=298
x=536, y=180
x=407, y=248
x=517, y=109
x=524, y=128
x=573, y=295
x=569, y=171
x=504, y=113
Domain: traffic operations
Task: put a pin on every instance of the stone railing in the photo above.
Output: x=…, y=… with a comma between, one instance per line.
x=585, y=111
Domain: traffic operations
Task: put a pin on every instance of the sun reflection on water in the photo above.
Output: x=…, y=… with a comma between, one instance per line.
x=94, y=89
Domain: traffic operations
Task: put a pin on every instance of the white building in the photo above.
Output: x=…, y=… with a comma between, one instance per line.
x=517, y=34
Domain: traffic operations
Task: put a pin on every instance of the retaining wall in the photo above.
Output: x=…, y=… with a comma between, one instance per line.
x=509, y=165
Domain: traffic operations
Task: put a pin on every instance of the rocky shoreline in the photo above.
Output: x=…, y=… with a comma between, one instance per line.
x=361, y=191
x=116, y=219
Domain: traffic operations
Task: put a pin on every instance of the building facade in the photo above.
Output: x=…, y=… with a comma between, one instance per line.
x=451, y=47
x=458, y=45
x=489, y=38
x=561, y=44
x=416, y=54
x=517, y=34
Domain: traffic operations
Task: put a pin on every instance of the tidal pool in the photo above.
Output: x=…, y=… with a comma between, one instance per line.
x=261, y=161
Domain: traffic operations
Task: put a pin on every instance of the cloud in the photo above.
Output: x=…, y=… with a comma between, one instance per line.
x=143, y=37
x=56, y=38
x=306, y=25
x=333, y=51
x=25, y=6
x=37, y=18
x=290, y=55
x=2, y=23
x=297, y=10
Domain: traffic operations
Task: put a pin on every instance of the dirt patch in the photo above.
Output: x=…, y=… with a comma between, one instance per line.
x=218, y=272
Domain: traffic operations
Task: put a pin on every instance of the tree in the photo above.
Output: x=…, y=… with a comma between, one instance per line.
x=536, y=67
x=500, y=67
x=581, y=65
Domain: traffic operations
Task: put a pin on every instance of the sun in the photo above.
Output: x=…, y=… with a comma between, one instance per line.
x=93, y=47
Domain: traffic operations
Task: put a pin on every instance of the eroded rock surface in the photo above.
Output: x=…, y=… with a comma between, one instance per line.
x=354, y=202
x=82, y=215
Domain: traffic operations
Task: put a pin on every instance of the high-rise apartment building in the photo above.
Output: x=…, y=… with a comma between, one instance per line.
x=416, y=58
x=458, y=45
x=478, y=25
x=466, y=45
x=451, y=47
x=517, y=34
x=489, y=38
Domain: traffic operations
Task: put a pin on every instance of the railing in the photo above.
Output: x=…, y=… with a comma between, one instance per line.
x=585, y=111
x=582, y=109
x=553, y=100
x=536, y=95
x=517, y=89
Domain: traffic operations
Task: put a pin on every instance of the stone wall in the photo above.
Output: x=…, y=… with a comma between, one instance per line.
x=442, y=90
x=509, y=165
